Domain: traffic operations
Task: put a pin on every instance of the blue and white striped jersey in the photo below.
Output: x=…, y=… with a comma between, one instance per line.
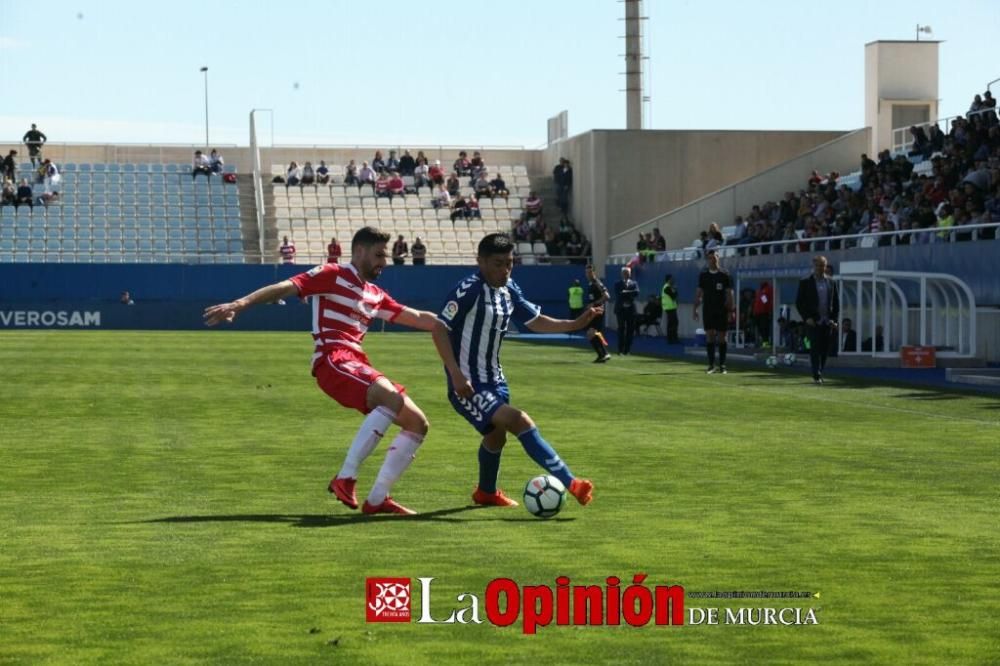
x=477, y=317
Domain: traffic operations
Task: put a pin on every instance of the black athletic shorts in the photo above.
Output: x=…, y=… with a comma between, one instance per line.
x=716, y=320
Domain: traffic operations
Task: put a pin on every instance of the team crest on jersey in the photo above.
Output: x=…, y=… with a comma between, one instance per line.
x=315, y=270
x=450, y=310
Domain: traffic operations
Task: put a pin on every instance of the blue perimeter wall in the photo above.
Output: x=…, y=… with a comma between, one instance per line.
x=977, y=263
x=172, y=296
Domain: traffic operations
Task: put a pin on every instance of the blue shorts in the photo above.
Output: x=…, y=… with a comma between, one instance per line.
x=480, y=408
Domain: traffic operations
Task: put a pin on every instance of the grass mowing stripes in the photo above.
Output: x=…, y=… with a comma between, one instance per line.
x=162, y=497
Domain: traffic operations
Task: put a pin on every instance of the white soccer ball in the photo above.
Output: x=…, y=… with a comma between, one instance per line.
x=772, y=361
x=789, y=359
x=544, y=496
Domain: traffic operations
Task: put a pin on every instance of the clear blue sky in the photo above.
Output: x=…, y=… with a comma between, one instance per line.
x=456, y=72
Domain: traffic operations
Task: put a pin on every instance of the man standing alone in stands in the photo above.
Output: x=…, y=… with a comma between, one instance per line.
x=34, y=140
x=819, y=306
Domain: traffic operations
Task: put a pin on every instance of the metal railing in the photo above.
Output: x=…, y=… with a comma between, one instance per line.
x=826, y=243
x=155, y=153
x=903, y=141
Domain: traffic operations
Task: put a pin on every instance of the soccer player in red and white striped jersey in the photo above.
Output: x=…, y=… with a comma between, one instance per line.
x=344, y=303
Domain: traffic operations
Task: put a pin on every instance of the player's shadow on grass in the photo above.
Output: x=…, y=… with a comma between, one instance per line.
x=329, y=520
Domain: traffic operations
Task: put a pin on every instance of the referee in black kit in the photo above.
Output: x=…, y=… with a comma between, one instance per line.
x=715, y=290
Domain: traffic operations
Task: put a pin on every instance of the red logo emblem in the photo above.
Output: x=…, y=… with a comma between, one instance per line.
x=388, y=599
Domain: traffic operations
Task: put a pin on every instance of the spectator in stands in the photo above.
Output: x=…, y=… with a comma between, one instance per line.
x=46, y=198
x=659, y=242
x=52, y=176
x=462, y=164
x=921, y=143
x=392, y=164
x=333, y=252
x=351, y=174
x=419, y=252
x=382, y=185
x=473, y=209
x=499, y=187
x=323, y=174
x=421, y=156
x=215, y=161
x=24, y=195
x=562, y=176
x=532, y=206
x=308, y=174
x=476, y=165
x=10, y=165
x=126, y=298
x=482, y=186
x=421, y=174
x=850, y=336
x=573, y=247
x=294, y=174
x=453, y=185
x=366, y=176
x=407, y=164
x=34, y=140
x=396, y=186
x=9, y=197
x=378, y=162
x=945, y=220
x=441, y=198
x=200, y=164
x=287, y=251
x=436, y=173
x=975, y=107
x=460, y=208
x=936, y=139
x=399, y=251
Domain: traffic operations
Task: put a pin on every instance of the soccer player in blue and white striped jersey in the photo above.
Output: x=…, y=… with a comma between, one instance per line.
x=477, y=315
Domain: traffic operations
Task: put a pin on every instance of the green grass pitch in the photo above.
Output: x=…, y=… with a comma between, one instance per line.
x=163, y=500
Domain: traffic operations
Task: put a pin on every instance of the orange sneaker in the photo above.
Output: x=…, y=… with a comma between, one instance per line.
x=388, y=505
x=492, y=499
x=344, y=490
x=582, y=490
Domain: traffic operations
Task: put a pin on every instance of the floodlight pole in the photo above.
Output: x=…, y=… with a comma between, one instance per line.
x=205, y=72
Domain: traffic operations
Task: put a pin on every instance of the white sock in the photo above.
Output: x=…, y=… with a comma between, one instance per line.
x=369, y=434
x=397, y=459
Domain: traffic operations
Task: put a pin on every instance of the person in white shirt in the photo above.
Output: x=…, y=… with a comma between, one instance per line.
x=294, y=174
x=421, y=174
x=441, y=198
x=367, y=175
x=201, y=164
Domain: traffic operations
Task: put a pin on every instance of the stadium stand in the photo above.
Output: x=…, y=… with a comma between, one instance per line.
x=127, y=213
x=945, y=191
x=311, y=215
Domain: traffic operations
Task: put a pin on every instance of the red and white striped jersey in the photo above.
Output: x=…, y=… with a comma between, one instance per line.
x=343, y=306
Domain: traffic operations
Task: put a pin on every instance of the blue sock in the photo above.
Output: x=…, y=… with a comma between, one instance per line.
x=542, y=453
x=489, y=469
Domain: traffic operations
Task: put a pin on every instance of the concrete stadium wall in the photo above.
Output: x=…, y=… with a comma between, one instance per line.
x=172, y=296
x=623, y=178
x=682, y=225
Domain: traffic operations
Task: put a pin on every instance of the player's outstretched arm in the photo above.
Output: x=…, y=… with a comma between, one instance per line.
x=543, y=324
x=226, y=312
x=419, y=319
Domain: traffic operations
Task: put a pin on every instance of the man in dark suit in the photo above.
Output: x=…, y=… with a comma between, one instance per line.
x=819, y=306
x=626, y=291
